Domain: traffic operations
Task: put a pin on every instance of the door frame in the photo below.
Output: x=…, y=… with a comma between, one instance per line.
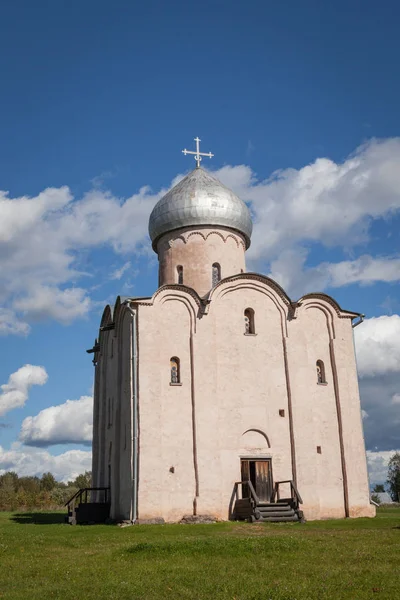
x=259, y=458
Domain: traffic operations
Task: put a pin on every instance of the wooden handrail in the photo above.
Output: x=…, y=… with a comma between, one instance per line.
x=294, y=492
x=251, y=488
x=85, y=491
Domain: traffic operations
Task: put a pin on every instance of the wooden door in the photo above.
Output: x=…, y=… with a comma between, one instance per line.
x=260, y=474
x=263, y=482
x=245, y=468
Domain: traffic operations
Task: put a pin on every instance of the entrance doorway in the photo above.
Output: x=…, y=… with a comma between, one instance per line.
x=259, y=472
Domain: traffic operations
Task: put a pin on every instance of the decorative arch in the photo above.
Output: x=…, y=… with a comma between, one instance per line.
x=107, y=316
x=216, y=233
x=195, y=233
x=329, y=316
x=262, y=433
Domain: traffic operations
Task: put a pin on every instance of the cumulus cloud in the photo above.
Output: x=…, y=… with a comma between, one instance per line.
x=61, y=305
x=323, y=202
x=289, y=270
x=378, y=345
x=11, y=324
x=14, y=394
x=118, y=273
x=33, y=461
x=44, y=239
x=378, y=465
x=66, y=423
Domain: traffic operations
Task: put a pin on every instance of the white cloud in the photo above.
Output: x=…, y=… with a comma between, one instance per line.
x=45, y=241
x=364, y=414
x=377, y=343
x=289, y=270
x=378, y=465
x=11, y=324
x=324, y=202
x=62, y=305
x=15, y=393
x=118, y=273
x=66, y=423
x=396, y=399
x=30, y=462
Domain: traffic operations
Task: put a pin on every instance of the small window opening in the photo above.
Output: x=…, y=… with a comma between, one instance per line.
x=216, y=274
x=281, y=412
x=319, y=450
x=179, y=270
x=175, y=370
x=320, y=372
x=249, y=321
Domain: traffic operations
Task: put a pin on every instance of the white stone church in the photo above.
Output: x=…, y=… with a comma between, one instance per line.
x=219, y=395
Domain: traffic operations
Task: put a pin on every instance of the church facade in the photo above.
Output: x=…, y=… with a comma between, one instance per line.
x=220, y=377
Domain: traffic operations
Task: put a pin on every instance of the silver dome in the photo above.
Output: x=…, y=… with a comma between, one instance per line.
x=199, y=199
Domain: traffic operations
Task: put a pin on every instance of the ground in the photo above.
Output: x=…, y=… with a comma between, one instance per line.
x=41, y=557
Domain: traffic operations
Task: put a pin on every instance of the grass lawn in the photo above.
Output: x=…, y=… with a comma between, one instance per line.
x=41, y=557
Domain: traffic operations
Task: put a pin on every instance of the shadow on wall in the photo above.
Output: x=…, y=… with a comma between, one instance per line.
x=39, y=518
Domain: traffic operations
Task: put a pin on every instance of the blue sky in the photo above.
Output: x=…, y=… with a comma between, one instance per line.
x=101, y=97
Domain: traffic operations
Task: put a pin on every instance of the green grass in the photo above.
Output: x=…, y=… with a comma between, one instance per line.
x=41, y=557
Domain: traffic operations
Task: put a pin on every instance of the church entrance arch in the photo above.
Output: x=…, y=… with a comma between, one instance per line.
x=259, y=472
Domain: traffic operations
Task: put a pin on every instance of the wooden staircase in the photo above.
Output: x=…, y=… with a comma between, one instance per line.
x=278, y=510
x=89, y=505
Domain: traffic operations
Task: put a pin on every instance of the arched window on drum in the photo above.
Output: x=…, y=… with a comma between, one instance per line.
x=320, y=372
x=249, y=327
x=175, y=370
x=179, y=274
x=216, y=274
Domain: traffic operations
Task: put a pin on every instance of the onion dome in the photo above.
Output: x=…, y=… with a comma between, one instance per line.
x=199, y=199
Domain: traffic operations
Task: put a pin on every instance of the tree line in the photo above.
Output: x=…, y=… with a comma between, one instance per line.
x=25, y=493
x=392, y=482
x=19, y=493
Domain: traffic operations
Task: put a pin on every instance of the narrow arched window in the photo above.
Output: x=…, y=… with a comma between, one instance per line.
x=179, y=271
x=249, y=327
x=320, y=372
x=175, y=370
x=216, y=274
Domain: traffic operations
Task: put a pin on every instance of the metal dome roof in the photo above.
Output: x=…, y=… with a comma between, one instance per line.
x=199, y=199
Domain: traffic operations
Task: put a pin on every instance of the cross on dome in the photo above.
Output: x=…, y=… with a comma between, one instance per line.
x=197, y=154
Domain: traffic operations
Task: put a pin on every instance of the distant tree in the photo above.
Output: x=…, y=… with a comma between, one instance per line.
x=379, y=488
x=29, y=484
x=375, y=498
x=82, y=481
x=9, y=478
x=47, y=482
x=393, y=479
x=8, y=483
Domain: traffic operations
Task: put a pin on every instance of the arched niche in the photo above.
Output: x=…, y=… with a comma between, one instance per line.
x=254, y=442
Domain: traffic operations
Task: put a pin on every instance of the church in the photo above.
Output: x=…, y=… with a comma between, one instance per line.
x=219, y=395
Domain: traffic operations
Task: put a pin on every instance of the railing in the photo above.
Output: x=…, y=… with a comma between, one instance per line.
x=294, y=493
x=83, y=493
x=235, y=495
